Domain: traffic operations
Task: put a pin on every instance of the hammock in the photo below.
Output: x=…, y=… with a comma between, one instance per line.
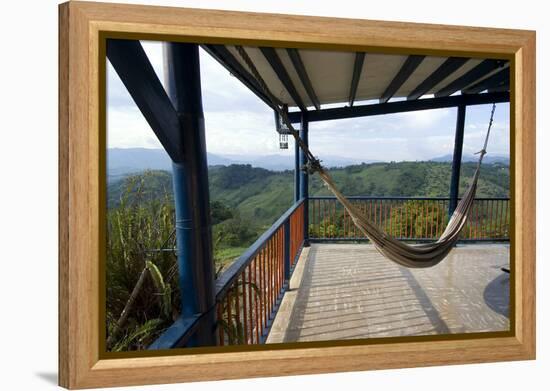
x=409, y=255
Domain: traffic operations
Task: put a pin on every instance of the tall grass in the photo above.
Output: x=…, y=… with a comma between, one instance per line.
x=143, y=295
x=138, y=231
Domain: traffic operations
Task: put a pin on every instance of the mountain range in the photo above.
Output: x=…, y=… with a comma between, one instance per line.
x=261, y=196
x=124, y=161
x=488, y=159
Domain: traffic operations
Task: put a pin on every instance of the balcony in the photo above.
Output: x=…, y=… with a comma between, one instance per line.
x=243, y=304
x=285, y=289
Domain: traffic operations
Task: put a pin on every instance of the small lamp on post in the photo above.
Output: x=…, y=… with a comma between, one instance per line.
x=282, y=129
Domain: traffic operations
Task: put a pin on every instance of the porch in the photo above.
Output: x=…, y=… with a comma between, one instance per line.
x=350, y=291
x=340, y=290
x=333, y=284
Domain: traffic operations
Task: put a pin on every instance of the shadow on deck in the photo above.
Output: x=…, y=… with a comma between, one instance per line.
x=348, y=291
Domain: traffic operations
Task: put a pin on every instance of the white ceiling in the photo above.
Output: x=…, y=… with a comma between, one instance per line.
x=331, y=72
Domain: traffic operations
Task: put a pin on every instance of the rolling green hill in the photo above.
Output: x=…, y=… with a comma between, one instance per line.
x=262, y=196
x=244, y=201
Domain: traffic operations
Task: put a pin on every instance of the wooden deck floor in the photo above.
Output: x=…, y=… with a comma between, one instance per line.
x=346, y=291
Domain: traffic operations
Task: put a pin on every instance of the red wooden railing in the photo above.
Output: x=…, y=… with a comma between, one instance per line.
x=250, y=291
x=296, y=234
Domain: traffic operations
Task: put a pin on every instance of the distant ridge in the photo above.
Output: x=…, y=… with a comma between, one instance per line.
x=488, y=159
x=124, y=161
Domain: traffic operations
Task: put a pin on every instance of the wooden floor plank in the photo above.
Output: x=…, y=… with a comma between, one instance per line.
x=348, y=291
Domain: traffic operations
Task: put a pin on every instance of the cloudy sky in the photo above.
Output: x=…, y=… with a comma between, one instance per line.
x=238, y=123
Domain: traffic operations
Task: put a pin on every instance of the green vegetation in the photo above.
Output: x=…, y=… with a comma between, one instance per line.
x=143, y=298
x=142, y=287
x=224, y=256
x=419, y=216
x=413, y=219
x=420, y=179
x=261, y=196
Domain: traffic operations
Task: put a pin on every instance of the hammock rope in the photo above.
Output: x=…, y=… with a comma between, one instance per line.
x=409, y=255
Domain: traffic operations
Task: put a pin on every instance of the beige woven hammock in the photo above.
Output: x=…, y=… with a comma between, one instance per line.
x=409, y=255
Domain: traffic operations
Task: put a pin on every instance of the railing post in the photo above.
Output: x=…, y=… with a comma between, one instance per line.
x=286, y=244
x=191, y=195
x=457, y=158
x=304, y=177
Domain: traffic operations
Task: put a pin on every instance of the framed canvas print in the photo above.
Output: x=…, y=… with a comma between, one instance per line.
x=246, y=195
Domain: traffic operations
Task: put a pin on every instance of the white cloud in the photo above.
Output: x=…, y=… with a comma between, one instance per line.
x=424, y=118
x=126, y=128
x=154, y=51
x=237, y=122
x=240, y=132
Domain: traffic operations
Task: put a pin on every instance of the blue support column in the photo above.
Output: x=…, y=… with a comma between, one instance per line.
x=296, y=172
x=304, y=177
x=191, y=195
x=457, y=158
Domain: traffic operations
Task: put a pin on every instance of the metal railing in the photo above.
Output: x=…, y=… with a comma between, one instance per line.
x=249, y=292
x=408, y=218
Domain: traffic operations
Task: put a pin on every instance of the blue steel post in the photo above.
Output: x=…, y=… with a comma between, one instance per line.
x=191, y=195
x=457, y=158
x=304, y=177
x=296, y=172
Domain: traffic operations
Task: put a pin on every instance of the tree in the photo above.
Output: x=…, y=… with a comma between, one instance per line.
x=417, y=219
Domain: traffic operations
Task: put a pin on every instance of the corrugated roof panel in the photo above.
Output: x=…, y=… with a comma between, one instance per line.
x=268, y=74
x=456, y=74
x=331, y=81
x=378, y=72
x=425, y=69
x=285, y=59
x=331, y=73
x=487, y=75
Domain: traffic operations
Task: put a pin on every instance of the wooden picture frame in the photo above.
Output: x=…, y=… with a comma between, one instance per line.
x=82, y=27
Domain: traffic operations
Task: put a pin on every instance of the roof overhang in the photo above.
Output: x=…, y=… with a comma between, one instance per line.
x=310, y=80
